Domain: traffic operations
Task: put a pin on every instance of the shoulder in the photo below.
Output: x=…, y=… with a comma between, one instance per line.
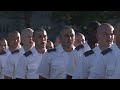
x=3, y=52
x=27, y=53
x=79, y=47
x=15, y=51
x=106, y=51
x=51, y=50
x=87, y=53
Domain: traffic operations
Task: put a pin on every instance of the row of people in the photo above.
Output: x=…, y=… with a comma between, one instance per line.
x=70, y=58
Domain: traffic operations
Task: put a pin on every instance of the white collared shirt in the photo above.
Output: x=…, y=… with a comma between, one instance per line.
x=75, y=57
x=85, y=65
x=3, y=59
x=108, y=66
x=12, y=62
x=28, y=66
x=53, y=64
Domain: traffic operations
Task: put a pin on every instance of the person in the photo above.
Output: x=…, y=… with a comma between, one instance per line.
x=3, y=55
x=28, y=44
x=57, y=41
x=79, y=39
x=105, y=39
x=16, y=52
x=108, y=66
x=53, y=63
x=49, y=45
x=28, y=66
x=81, y=47
x=92, y=29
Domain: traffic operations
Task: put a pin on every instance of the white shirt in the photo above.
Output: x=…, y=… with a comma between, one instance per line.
x=108, y=66
x=12, y=62
x=75, y=57
x=28, y=66
x=53, y=64
x=3, y=59
x=85, y=64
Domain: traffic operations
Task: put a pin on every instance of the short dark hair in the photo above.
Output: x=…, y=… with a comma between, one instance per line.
x=93, y=25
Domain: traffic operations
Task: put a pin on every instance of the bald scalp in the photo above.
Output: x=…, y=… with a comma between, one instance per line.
x=39, y=30
x=65, y=29
x=104, y=26
x=13, y=33
x=26, y=31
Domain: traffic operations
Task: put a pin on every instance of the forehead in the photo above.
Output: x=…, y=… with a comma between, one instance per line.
x=106, y=29
x=14, y=35
x=68, y=31
x=28, y=33
x=41, y=33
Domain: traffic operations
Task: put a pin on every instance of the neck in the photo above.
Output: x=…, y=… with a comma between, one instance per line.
x=67, y=49
x=12, y=48
x=27, y=47
x=102, y=48
x=40, y=50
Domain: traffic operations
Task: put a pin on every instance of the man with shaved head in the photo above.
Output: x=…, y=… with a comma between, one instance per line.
x=107, y=66
x=54, y=62
x=105, y=38
x=28, y=65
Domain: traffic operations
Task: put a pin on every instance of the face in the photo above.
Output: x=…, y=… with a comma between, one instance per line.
x=49, y=45
x=27, y=39
x=14, y=40
x=79, y=39
x=40, y=39
x=3, y=45
x=106, y=37
x=67, y=38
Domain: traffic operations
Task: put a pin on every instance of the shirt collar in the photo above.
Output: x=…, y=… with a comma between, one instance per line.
x=60, y=48
x=35, y=52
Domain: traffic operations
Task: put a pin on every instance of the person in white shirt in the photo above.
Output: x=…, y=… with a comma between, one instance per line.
x=3, y=55
x=28, y=44
x=75, y=57
x=105, y=64
x=16, y=52
x=54, y=62
x=87, y=61
x=29, y=62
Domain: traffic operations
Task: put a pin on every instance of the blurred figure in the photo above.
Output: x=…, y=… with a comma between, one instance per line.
x=79, y=39
x=92, y=30
x=49, y=45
